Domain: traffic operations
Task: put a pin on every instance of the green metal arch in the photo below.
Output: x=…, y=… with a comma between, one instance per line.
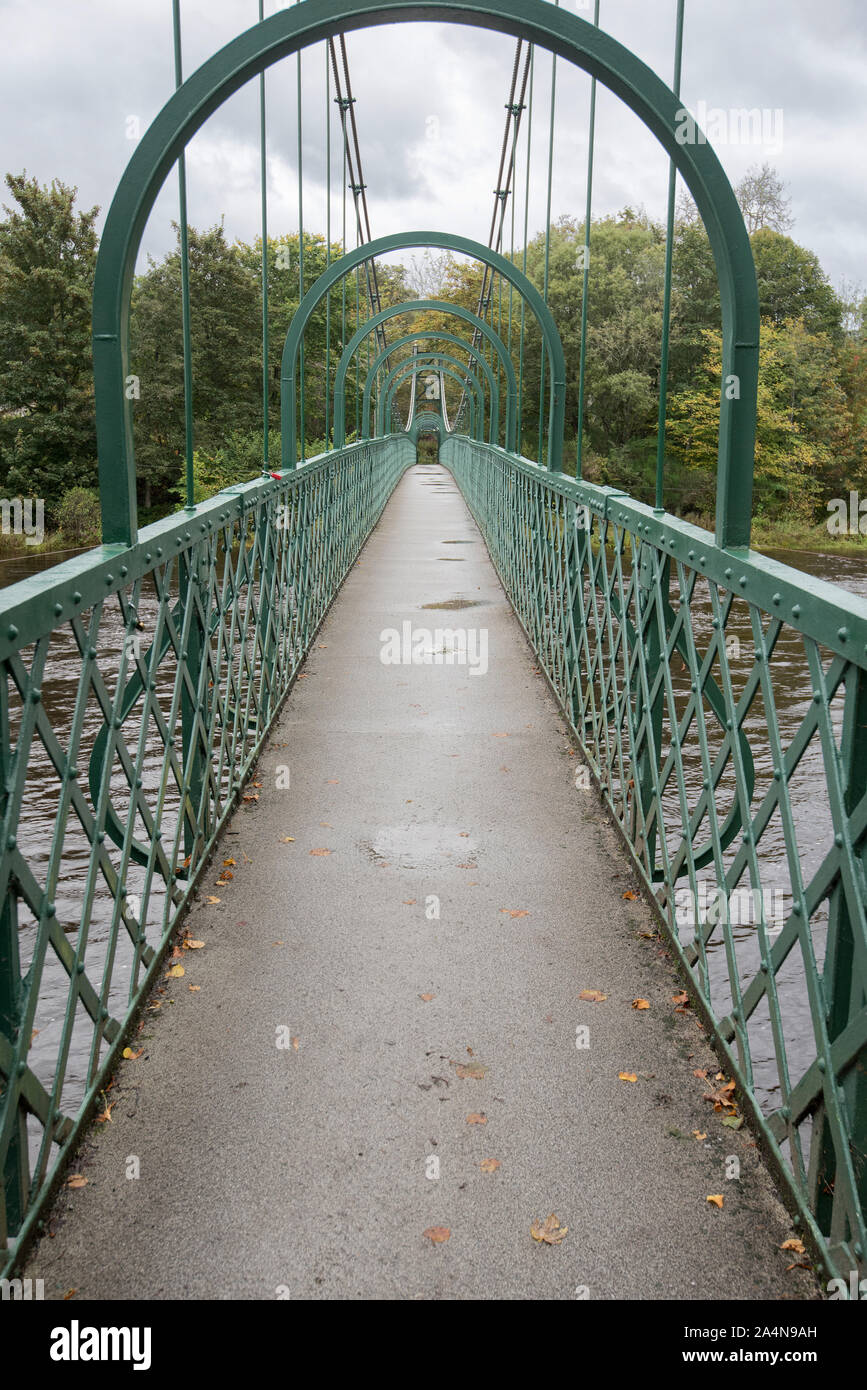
x=391, y=384
x=402, y=241
x=428, y=420
x=545, y=25
x=441, y=336
x=287, y=407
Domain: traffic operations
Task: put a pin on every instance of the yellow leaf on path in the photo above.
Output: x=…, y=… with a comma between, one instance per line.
x=682, y=998
x=489, y=1165
x=296, y=1043
x=194, y=989
x=222, y=883
x=175, y=973
x=320, y=851
x=287, y=839
x=515, y=911
x=793, y=1244
x=133, y=1056
x=640, y=1004
x=190, y=945
x=626, y=1076
x=77, y=1180
x=551, y=1233
x=228, y=863
x=437, y=1235
x=499, y=735
x=70, y=1293
x=333, y=781
x=426, y=998
x=697, y=1134
x=629, y=895
x=409, y=902
x=326, y=825
x=212, y=899
x=716, y=1200
x=477, y=1119
x=105, y=1115
x=592, y=996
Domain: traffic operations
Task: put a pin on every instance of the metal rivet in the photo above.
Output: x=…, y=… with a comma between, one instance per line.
x=796, y=611
x=11, y=632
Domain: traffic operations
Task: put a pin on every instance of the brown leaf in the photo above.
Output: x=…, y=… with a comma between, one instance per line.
x=320, y=851
x=489, y=1165
x=190, y=945
x=716, y=1200
x=697, y=1134
x=133, y=1056
x=793, y=1244
x=437, y=1235
x=630, y=895
x=477, y=1118
x=640, y=1004
x=296, y=1043
x=626, y=1076
x=682, y=998
x=251, y=796
x=469, y=1070
x=551, y=1233
x=77, y=1180
x=228, y=863
x=426, y=998
x=287, y=839
x=194, y=989
x=701, y=1073
x=212, y=899
x=592, y=996
x=175, y=973
x=515, y=911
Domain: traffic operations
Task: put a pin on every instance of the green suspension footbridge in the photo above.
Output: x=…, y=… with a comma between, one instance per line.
x=371, y=963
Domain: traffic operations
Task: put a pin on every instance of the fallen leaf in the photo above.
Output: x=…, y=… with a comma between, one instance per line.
x=212, y=899
x=77, y=1180
x=477, y=1118
x=469, y=1070
x=592, y=996
x=733, y=1121
x=251, y=796
x=190, y=945
x=499, y=735
x=175, y=973
x=640, y=1004
x=489, y=1165
x=133, y=1056
x=278, y=943
x=226, y=876
x=287, y=839
x=70, y=1293
x=626, y=1076
x=716, y=1200
x=801, y=1264
x=105, y=1115
x=296, y=1043
x=630, y=895
x=426, y=998
x=793, y=1244
x=228, y=863
x=515, y=911
x=325, y=825
x=194, y=989
x=551, y=1233
x=222, y=883
x=333, y=781
x=697, y=1134
x=320, y=851
x=409, y=902
x=682, y=998
x=701, y=1072
x=437, y=1235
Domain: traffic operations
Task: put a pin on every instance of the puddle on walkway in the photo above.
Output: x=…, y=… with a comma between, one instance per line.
x=457, y=542
x=424, y=846
x=452, y=559
x=453, y=603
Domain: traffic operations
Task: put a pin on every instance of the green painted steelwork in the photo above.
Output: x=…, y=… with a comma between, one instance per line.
x=404, y=241
x=410, y=307
x=461, y=375
x=426, y=423
x=440, y=371
x=614, y=599
x=424, y=335
x=186, y=646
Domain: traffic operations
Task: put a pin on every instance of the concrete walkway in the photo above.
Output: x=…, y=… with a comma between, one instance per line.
x=315, y=1068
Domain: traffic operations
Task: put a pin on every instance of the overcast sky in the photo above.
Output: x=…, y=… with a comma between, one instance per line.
x=430, y=102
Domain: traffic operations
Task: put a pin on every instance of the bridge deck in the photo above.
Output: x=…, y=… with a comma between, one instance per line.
x=305, y=1167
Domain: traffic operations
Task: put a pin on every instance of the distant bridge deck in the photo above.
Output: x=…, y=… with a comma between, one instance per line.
x=271, y=1171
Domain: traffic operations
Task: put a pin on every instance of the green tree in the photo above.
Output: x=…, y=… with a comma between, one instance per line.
x=47, y=260
x=792, y=284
